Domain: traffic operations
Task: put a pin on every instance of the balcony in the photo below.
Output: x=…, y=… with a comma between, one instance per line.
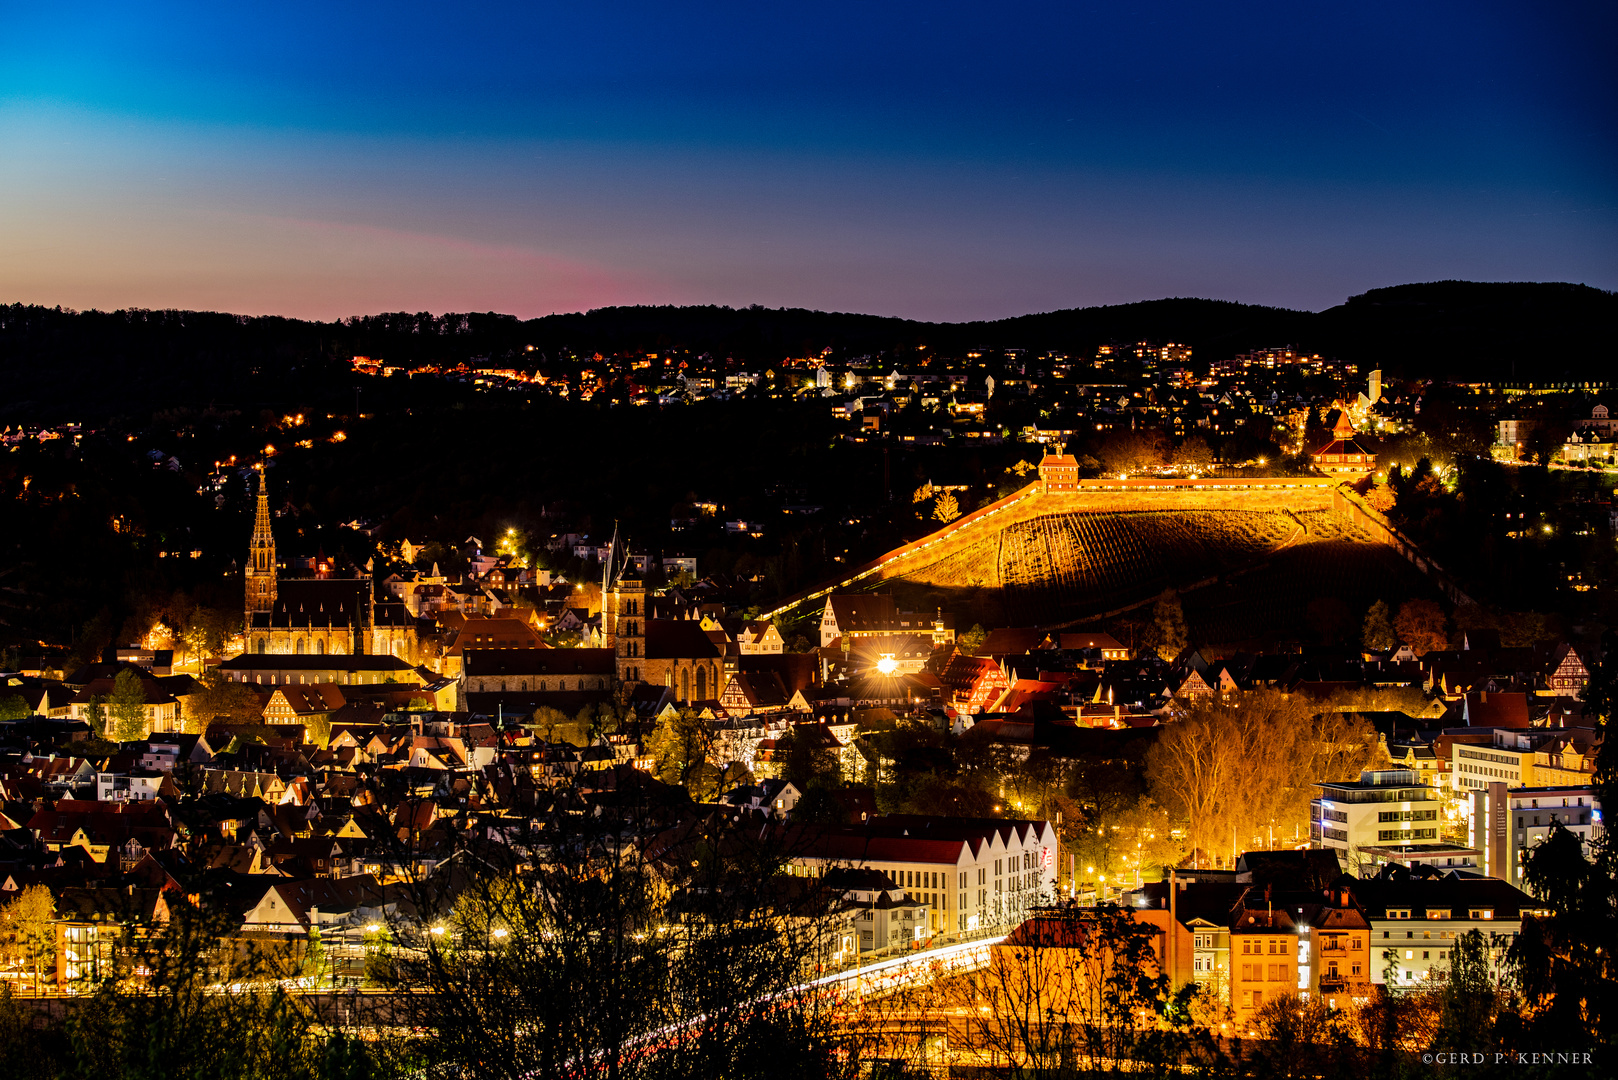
x=1330, y=984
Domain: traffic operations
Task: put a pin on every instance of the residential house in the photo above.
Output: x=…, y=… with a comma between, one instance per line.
x=865, y=615
x=1416, y=919
x=1264, y=953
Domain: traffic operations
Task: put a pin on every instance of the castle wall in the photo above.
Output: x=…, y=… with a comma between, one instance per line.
x=1032, y=501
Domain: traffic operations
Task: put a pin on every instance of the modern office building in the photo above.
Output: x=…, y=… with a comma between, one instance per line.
x=1508, y=821
x=1384, y=808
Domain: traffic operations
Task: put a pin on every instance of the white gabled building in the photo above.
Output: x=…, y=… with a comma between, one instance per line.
x=971, y=873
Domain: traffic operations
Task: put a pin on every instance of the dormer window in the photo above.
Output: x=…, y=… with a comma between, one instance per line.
x=1398, y=913
x=1482, y=913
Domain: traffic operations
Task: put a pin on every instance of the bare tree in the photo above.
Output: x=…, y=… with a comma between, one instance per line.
x=605, y=948
x=1072, y=991
x=1238, y=770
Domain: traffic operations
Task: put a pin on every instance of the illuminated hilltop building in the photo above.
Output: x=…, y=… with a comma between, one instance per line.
x=1344, y=454
x=1059, y=470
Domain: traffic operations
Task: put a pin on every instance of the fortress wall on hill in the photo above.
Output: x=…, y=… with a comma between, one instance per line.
x=1033, y=501
x=1347, y=502
x=1115, y=496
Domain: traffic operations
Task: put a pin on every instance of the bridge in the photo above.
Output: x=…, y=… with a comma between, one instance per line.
x=901, y=972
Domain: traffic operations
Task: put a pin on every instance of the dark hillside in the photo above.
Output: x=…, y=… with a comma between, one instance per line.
x=1478, y=331
x=57, y=364
x=1214, y=328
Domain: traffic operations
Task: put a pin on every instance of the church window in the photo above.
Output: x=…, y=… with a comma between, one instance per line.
x=261, y=644
x=702, y=683
x=300, y=647
x=542, y=684
x=320, y=647
x=685, y=685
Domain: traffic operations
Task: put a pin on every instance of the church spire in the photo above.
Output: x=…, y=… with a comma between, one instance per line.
x=261, y=568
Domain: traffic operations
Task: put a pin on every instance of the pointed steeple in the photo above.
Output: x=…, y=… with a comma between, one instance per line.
x=261, y=570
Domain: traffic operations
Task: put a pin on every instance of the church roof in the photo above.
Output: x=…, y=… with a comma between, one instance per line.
x=305, y=662
x=795, y=670
x=478, y=634
x=678, y=639
x=540, y=662
x=316, y=603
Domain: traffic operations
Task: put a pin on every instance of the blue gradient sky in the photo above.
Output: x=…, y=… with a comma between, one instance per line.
x=940, y=161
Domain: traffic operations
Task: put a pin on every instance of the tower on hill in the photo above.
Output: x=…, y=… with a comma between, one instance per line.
x=1059, y=470
x=1344, y=454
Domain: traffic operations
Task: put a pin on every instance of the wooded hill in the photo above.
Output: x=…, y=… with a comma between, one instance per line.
x=90, y=363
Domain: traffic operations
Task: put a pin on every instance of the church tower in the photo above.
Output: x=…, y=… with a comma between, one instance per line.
x=261, y=557
x=628, y=624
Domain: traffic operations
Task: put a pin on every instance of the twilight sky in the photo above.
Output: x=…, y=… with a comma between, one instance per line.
x=938, y=160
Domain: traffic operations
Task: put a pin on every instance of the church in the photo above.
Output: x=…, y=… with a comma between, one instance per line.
x=673, y=653
x=328, y=610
